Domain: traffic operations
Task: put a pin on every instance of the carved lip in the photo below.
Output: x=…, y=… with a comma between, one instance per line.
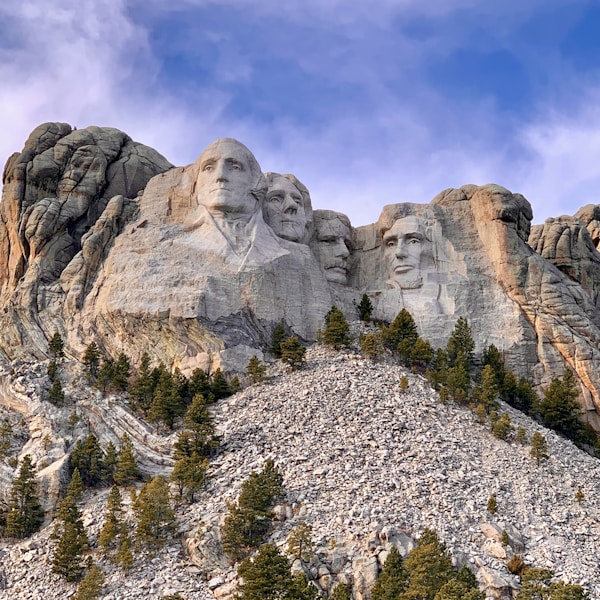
x=403, y=268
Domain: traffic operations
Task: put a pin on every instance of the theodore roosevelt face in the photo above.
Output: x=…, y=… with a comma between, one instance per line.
x=333, y=245
x=404, y=244
x=284, y=210
x=227, y=173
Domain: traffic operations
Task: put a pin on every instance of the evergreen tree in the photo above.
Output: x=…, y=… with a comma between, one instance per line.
x=141, y=389
x=166, y=404
x=75, y=487
x=25, y=515
x=219, y=386
x=124, y=554
x=365, y=308
x=292, y=353
x=489, y=390
x=52, y=371
x=200, y=384
x=438, y=373
x=277, y=338
x=536, y=584
x=341, y=592
x=56, y=395
x=492, y=505
x=429, y=567
x=370, y=345
x=256, y=370
x=539, y=447
x=88, y=458
x=121, y=372
x=421, y=354
x=56, y=346
x=248, y=521
x=126, y=469
x=6, y=437
x=401, y=333
x=266, y=577
x=461, y=342
x=91, y=585
x=337, y=331
x=109, y=463
x=91, y=359
x=300, y=544
x=492, y=357
x=559, y=408
x=302, y=589
x=503, y=427
x=458, y=380
x=198, y=437
x=105, y=374
x=235, y=385
x=456, y=590
x=155, y=517
x=189, y=474
x=393, y=580
x=112, y=520
x=71, y=538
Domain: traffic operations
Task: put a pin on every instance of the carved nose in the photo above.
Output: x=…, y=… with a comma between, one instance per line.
x=290, y=206
x=221, y=172
x=342, y=249
x=400, y=250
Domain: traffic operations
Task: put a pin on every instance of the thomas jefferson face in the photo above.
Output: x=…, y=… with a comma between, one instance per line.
x=226, y=176
x=284, y=210
x=404, y=244
x=334, y=242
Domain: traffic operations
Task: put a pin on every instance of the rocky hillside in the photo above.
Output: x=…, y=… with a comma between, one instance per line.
x=365, y=463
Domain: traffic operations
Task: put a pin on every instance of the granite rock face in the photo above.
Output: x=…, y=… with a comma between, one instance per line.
x=199, y=268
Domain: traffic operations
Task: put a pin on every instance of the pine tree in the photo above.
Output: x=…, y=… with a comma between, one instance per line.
x=277, y=338
x=56, y=346
x=365, y=308
x=401, y=331
x=112, y=520
x=492, y=357
x=6, y=437
x=503, y=427
x=189, y=473
x=121, y=372
x=458, y=380
x=300, y=544
x=166, y=404
x=256, y=370
x=292, y=353
x=421, y=354
x=489, y=388
x=456, y=590
x=370, y=345
x=56, y=395
x=341, y=592
x=461, y=342
x=198, y=437
x=88, y=458
x=109, y=463
x=71, y=540
x=141, y=389
x=266, y=577
x=52, y=371
x=124, y=554
x=91, y=359
x=75, y=487
x=429, y=567
x=559, y=408
x=337, y=331
x=539, y=447
x=200, y=384
x=91, y=585
x=393, y=580
x=219, y=386
x=492, y=505
x=155, y=517
x=25, y=515
x=302, y=589
x=105, y=373
x=126, y=469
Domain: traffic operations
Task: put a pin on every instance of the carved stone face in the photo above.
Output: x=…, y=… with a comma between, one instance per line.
x=404, y=246
x=334, y=242
x=284, y=210
x=226, y=176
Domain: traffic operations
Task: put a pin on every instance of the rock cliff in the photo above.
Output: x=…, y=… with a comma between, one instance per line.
x=100, y=238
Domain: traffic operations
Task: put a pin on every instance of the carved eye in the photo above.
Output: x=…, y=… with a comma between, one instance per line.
x=390, y=243
x=208, y=167
x=236, y=167
x=414, y=241
x=275, y=198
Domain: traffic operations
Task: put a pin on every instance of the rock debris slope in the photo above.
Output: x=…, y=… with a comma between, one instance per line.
x=363, y=463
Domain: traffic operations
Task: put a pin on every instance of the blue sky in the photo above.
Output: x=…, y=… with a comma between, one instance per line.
x=367, y=103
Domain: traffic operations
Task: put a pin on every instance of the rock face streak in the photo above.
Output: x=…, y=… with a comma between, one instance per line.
x=101, y=238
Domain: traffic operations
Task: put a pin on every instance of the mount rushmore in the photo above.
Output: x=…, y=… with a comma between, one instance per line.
x=102, y=239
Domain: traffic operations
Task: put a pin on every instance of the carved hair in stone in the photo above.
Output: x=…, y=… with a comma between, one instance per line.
x=229, y=181
x=287, y=208
x=332, y=244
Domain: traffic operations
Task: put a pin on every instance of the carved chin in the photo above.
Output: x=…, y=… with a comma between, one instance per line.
x=406, y=283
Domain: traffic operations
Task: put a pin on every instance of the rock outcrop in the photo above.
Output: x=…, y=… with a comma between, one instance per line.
x=199, y=267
